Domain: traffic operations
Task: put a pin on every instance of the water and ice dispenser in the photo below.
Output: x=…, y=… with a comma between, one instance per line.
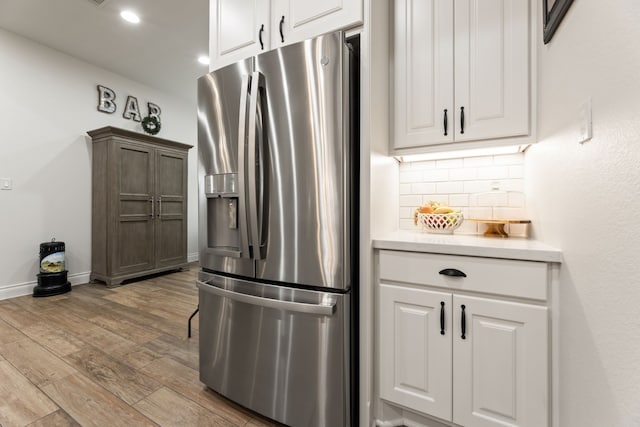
x=223, y=234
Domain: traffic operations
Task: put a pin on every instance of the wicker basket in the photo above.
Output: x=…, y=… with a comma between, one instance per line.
x=440, y=223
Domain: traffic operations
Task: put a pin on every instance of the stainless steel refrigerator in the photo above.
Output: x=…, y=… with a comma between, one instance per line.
x=278, y=177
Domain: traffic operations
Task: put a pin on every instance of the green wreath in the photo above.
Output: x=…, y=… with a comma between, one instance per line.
x=151, y=124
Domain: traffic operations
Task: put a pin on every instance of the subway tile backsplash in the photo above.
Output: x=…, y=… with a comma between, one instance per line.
x=488, y=187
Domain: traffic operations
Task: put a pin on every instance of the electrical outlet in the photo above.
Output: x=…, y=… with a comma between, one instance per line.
x=584, y=117
x=6, y=184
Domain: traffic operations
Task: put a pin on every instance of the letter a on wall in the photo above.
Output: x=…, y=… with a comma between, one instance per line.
x=106, y=100
x=131, y=109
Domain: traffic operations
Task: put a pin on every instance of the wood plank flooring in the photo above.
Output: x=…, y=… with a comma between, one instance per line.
x=109, y=357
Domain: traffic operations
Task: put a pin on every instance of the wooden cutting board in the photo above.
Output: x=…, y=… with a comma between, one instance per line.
x=495, y=227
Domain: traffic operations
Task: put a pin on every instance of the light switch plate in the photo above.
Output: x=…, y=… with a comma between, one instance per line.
x=584, y=117
x=6, y=184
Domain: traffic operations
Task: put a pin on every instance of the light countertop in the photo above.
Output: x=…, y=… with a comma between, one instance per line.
x=469, y=245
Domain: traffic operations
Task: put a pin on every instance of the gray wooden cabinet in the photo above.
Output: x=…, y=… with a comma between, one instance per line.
x=139, y=206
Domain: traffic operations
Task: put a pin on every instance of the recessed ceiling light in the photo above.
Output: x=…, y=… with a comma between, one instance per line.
x=203, y=59
x=129, y=16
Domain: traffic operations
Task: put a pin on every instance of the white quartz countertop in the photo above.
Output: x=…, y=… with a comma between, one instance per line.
x=454, y=244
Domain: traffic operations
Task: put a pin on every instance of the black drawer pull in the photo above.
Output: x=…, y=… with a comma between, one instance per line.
x=453, y=272
x=463, y=322
x=441, y=317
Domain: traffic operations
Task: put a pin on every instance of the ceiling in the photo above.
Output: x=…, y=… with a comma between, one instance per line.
x=161, y=51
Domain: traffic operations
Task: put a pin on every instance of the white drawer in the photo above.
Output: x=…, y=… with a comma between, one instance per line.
x=525, y=279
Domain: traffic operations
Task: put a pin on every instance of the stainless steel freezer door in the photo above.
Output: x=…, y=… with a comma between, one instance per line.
x=307, y=211
x=279, y=351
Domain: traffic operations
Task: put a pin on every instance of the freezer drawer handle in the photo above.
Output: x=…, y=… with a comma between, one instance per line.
x=324, y=309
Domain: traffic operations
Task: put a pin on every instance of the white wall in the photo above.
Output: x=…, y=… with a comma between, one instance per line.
x=585, y=199
x=47, y=103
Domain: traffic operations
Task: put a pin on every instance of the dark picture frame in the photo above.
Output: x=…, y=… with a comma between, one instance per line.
x=552, y=13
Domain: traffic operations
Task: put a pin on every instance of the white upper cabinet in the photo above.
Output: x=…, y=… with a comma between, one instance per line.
x=242, y=28
x=423, y=45
x=492, y=68
x=462, y=71
x=297, y=20
x=237, y=29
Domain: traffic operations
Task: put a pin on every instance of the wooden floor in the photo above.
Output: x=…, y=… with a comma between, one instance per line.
x=108, y=357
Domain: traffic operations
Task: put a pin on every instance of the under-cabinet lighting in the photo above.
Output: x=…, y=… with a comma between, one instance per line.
x=476, y=152
x=203, y=59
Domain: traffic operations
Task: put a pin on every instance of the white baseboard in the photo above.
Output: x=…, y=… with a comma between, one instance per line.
x=193, y=257
x=20, y=289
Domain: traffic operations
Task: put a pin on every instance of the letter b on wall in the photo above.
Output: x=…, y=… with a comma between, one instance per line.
x=106, y=100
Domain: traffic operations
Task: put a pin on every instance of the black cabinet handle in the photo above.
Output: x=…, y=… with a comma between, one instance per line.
x=281, y=24
x=453, y=272
x=461, y=119
x=463, y=322
x=260, y=37
x=446, y=123
x=441, y=317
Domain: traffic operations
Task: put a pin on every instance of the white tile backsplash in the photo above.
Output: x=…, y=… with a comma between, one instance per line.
x=423, y=188
x=434, y=175
x=493, y=172
x=463, y=174
x=449, y=163
x=428, y=164
x=478, y=161
x=408, y=176
x=489, y=187
x=449, y=187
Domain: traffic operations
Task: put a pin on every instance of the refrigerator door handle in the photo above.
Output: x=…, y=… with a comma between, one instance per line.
x=242, y=181
x=256, y=200
x=327, y=308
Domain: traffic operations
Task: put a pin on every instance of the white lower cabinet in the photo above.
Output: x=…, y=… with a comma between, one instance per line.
x=415, y=357
x=500, y=367
x=460, y=356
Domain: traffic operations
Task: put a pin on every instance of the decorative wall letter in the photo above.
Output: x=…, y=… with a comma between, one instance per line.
x=106, y=98
x=154, y=109
x=131, y=110
x=107, y=104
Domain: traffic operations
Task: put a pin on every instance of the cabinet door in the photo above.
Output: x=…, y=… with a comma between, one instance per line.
x=492, y=68
x=236, y=29
x=500, y=368
x=132, y=214
x=171, y=211
x=415, y=358
x=296, y=20
x=423, y=72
